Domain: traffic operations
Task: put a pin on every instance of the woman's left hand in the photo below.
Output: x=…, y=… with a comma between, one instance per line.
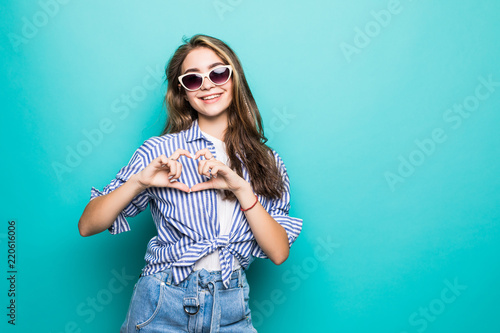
x=221, y=177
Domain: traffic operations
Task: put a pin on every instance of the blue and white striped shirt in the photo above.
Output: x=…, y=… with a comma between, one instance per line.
x=187, y=222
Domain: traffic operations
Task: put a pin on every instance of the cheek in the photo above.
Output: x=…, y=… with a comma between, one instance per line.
x=192, y=101
x=228, y=87
x=190, y=97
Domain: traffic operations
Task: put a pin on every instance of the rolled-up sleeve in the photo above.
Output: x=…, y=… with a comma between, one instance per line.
x=137, y=205
x=279, y=211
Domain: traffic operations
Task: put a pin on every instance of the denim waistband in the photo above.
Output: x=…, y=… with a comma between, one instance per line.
x=204, y=277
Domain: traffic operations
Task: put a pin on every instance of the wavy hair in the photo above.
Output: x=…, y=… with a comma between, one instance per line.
x=244, y=136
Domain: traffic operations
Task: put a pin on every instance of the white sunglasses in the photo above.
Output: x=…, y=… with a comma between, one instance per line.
x=218, y=76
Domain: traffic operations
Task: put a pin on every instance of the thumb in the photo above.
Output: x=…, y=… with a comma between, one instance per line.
x=180, y=186
x=202, y=186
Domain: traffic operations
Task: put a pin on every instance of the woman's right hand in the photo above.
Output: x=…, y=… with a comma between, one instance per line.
x=164, y=171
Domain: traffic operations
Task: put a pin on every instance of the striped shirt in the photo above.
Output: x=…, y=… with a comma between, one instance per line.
x=187, y=222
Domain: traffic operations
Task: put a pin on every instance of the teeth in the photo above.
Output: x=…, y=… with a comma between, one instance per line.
x=210, y=97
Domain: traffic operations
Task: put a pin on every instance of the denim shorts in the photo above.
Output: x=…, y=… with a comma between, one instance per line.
x=200, y=303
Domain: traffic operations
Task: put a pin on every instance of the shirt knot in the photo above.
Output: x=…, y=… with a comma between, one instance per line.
x=222, y=241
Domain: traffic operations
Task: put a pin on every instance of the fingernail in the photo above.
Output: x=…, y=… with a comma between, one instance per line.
x=170, y=177
x=173, y=180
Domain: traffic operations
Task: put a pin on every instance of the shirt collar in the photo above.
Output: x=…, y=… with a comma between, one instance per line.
x=193, y=133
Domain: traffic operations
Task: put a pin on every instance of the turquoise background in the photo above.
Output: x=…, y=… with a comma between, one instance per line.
x=401, y=234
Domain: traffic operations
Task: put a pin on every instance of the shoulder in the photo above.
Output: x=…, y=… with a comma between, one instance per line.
x=157, y=145
x=156, y=141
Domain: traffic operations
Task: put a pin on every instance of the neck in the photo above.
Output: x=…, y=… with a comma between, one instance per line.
x=214, y=126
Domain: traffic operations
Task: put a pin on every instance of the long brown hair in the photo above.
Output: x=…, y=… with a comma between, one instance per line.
x=244, y=136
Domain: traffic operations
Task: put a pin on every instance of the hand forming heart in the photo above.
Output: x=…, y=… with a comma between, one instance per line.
x=164, y=171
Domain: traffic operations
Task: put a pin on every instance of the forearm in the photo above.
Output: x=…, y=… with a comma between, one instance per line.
x=101, y=212
x=268, y=233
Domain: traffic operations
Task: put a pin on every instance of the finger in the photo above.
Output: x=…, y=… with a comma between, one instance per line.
x=203, y=152
x=202, y=186
x=172, y=166
x=215, y=170
x=180, y=186
x=164, y=163
x=180, y=152
x=163, y=160
x=201, y=166
x=179, y=170
x=207, y=169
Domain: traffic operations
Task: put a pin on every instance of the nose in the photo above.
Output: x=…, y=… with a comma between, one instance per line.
x=206, y=84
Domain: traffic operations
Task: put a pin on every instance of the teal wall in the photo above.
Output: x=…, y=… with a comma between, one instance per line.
x=387, y=114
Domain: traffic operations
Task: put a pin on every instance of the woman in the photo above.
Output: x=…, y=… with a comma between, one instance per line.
x=218, y=195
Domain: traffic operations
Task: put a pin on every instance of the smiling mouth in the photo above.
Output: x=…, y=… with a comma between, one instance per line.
x=207, y=98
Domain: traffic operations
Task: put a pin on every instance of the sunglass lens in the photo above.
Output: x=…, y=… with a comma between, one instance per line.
x=220, y=75
x=192, y=81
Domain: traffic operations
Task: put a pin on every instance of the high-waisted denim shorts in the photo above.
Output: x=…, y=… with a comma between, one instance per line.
x=200, y=303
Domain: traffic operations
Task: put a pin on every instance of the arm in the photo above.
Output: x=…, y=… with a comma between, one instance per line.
x=268, y=233
x=101, y=212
